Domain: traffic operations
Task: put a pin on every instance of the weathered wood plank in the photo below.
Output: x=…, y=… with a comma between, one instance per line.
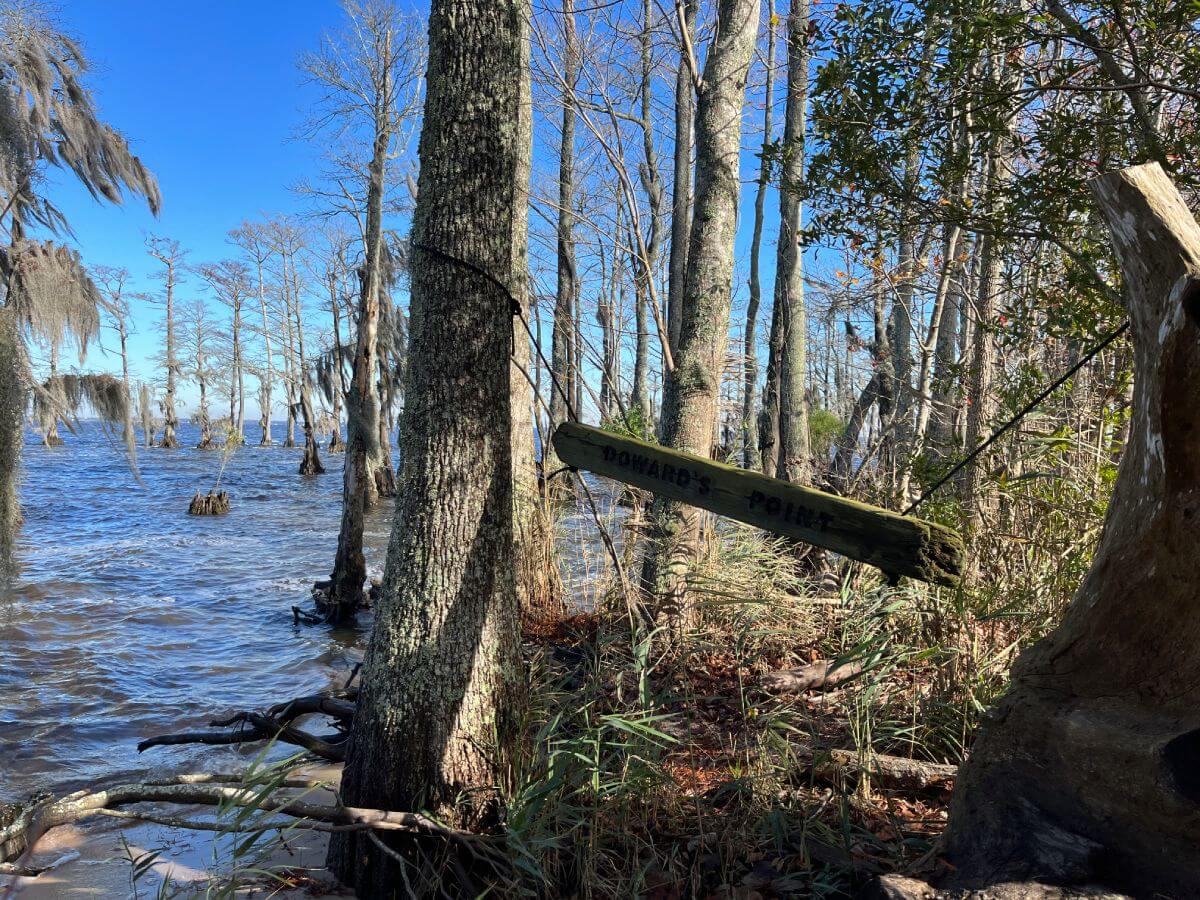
x=899, y=545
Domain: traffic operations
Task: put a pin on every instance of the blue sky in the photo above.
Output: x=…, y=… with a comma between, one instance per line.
x=211, y=98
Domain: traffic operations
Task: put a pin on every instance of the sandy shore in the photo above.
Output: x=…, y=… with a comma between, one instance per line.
x=92, y=859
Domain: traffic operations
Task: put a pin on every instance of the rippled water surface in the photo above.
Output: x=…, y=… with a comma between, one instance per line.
x=132, y=618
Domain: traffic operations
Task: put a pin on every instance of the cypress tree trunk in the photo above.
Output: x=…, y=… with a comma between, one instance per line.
x=289, y=359
x=268, y=374
x=311, y=463
x=442, y=676
x=338, y=387
x=1086, y=769
x=691, y=399
x=170, y=420
x=13, y=400
x=359, y=488
x=793, y=460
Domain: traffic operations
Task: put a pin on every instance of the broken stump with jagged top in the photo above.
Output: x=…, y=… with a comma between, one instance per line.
x=1088, y=769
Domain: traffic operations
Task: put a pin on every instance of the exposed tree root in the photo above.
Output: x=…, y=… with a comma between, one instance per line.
x=329, y=611
x=275, y=723
x=209, y=504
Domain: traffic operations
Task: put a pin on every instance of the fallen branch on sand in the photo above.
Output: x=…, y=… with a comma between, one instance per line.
x=27, y=824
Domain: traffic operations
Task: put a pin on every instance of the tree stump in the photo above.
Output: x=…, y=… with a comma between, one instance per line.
x=210, y=504
x=1088, y=769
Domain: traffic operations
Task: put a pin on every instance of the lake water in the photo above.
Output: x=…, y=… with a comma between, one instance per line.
x=131, y=618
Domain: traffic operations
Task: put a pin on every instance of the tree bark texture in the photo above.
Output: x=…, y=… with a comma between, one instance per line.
x=1087, y=767
x=750, y=457
x=692, y=395
x=441, y=680
x=793, y=461
x=681, y=199
x=562, y=351
x=362, y=403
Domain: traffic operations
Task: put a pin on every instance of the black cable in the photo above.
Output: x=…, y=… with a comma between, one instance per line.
x=519, y=311
x=1025, y=410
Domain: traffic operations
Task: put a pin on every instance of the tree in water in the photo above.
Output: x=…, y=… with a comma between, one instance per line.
x=114, y=303
x=230, y=283
x=47, y=118
x=369, y=77
x=198, y=333
x=249, y=237
x=171, y=256
x=442, y=678
x=330, y=365
x=288, y=240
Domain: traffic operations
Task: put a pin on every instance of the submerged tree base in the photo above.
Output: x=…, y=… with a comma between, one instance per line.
x=330, y=611
x=210, y=504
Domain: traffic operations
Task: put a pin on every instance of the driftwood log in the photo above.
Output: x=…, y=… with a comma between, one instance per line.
x=210, y=504
x=1088, y=769
x=24, y=825
x=895, y=774
x=818, y=676
x=276, y=723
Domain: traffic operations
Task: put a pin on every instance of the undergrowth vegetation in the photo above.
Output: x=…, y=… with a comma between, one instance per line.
x=682, y=772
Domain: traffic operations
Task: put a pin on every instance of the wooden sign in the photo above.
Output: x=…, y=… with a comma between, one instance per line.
x=899, y=545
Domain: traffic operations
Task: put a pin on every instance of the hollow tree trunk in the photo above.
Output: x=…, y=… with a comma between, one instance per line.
x=1087, y=768
x=692, y=395
x=440, y=694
